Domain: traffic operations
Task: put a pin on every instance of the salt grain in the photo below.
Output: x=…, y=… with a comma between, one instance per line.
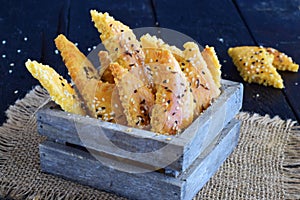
x=76, y=44
x=56, y=51
x=3, y=56
x=89, y=49
x=3, y=41
x=10, y=71
x=25, y=38
x=19, y=51
x=296, y=83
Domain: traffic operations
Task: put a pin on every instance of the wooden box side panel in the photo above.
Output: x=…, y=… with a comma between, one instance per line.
x=211, y=159
x=80, y=166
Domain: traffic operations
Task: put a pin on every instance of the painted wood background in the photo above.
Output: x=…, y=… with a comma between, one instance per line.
x=27, y=30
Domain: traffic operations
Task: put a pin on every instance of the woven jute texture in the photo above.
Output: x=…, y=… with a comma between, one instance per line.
x=265, y=164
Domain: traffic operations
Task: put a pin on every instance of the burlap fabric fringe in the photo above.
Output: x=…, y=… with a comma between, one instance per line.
x=265, y=164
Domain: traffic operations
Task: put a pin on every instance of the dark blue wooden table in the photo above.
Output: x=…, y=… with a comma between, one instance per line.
x=27, y=30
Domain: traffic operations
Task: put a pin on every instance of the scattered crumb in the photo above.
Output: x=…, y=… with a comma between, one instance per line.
x=129, y=130
x=224, y=61
x=89, y=49
x=56, y=51
x=25, y=38
x=19, y=51
x=221, y=40
x=76, y=44
x=296, y=83
x=12, y=64
x=257, y=95
x=3, y=41
x=3, y=56
x=16, y=91
x=168, y=139
x=10, y=71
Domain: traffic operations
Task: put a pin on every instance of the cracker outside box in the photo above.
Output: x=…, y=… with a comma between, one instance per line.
x=141, y=162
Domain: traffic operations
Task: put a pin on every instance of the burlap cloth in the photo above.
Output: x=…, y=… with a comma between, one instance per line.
x=265, y=164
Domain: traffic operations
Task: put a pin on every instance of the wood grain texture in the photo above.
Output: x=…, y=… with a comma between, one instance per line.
x=85, y=169
x=276, y=24
x=176, y=153
x=220, y=24
x=26, y=29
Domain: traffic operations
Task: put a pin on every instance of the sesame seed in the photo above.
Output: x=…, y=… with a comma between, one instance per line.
x=221, y=40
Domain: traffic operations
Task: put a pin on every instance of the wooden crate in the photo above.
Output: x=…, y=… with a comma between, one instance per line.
x=110, y=156
x=104, y=137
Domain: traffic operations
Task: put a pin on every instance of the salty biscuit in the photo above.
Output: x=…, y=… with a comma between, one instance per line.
x=81, y=70
x=213, y=64
x=136, y=98
x=282, y=61
x=173, y=109
x=59, y=89
x=255, y=64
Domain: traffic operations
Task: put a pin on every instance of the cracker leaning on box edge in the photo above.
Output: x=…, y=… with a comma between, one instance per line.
x=167, y=104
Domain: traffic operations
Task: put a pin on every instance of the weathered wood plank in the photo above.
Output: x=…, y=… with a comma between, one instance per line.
x=80, y=166
x=27, y=29
x=175, y=153
x=276, y=24
x=219, y=24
